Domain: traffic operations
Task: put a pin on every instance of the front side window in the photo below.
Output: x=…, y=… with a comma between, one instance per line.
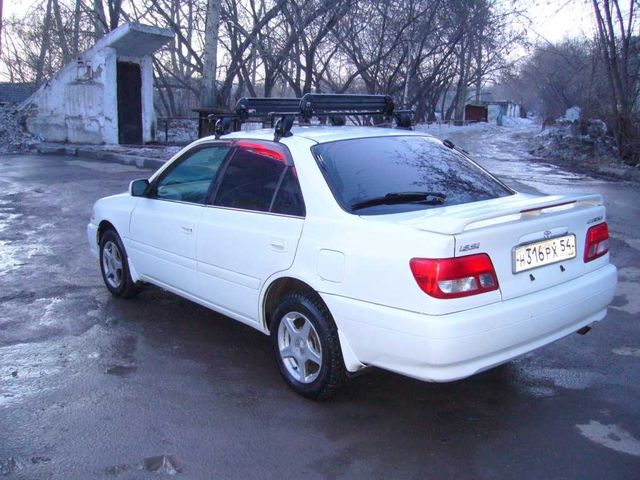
x=189, y=180
x=250, y=181
x=381, y=175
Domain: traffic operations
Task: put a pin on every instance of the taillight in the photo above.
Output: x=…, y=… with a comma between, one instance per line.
x=597, y=242
x=455, y=277
x=261, y=149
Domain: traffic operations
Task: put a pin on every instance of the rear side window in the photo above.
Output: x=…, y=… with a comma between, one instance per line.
x=250, y=181
x=288, y=200
x=361, y=170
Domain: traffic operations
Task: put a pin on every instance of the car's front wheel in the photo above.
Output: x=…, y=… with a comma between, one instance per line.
x=114, y=266
x=306, y=346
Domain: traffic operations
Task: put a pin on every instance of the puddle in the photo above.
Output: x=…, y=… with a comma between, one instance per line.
x=121, y=370
x=628, y=279
x=103, y=166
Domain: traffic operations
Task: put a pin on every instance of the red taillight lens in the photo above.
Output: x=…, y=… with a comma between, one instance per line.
x=455, y=277
x=597, y=242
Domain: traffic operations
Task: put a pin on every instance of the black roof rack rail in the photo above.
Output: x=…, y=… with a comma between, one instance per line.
x=283, y=111
x=247, y=109
x=261, y=108
x=326, y=104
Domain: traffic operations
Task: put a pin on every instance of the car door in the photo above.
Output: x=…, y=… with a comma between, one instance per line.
x=251, y=230
x=164, y=223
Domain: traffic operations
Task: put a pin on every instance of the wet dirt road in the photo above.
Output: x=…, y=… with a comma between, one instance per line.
x=97, y=387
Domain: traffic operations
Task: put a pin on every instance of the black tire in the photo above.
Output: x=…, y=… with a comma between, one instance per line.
x=331, y=374
x=121, y=285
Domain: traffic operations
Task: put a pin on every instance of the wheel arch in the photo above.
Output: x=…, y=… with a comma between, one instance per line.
x=103, y=226
x=106, y=225
x=277, y=287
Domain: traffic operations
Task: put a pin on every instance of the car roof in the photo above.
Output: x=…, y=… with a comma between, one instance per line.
x=326, y=133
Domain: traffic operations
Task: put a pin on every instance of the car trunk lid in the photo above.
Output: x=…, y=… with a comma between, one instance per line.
x=497, y=227
x=541, y=226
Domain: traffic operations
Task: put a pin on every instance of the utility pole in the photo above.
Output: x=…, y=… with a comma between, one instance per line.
x=210, y=54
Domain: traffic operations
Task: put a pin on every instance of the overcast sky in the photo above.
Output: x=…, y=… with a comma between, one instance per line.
x=552, y=20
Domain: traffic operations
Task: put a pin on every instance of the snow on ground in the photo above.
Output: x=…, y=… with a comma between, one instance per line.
x=441, y=130
x=506, y=152
x=178, y=131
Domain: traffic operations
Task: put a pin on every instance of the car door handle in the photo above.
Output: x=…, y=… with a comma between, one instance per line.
x=278, y=245
x=186, y=229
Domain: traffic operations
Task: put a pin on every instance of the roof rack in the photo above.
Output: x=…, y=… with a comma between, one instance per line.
x=322, y=104
x=261, y=108
x=335, y=107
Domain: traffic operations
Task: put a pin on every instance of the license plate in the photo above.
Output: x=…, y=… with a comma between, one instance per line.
x=538, y=254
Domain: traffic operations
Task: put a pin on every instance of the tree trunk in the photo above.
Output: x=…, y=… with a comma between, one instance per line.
x=115, y=9
x=75, y=40
x=210, y=54
x=64, y=46
x=478, y=94
x=99, y=19
x=44, y=47
x=613, y=39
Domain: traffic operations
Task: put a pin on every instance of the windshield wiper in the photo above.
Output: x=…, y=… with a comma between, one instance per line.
x=423, y=198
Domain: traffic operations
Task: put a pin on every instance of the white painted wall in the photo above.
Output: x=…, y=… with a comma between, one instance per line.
x=77, y=105
x=80, y=105
x=510, y=110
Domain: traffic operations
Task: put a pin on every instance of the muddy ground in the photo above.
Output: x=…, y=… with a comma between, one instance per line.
x=97, y=387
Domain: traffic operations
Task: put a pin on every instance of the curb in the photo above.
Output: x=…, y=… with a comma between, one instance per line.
x=98, y=155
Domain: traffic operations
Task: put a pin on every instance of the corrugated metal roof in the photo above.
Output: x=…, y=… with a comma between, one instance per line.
x=15, y=92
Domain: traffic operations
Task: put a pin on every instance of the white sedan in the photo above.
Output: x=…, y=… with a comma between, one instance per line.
x=360, y=246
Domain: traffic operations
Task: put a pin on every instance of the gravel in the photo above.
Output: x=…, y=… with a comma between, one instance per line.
x=13, y=136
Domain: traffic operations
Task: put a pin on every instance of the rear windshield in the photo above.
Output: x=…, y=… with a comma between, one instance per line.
x=404, y=167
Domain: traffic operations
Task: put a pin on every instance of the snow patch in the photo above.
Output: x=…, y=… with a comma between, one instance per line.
x=627, y=351
x=611, y=436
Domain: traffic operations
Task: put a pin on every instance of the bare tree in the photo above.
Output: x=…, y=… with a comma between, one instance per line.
x=618, y=42
x=44, y=47
x=415, y=50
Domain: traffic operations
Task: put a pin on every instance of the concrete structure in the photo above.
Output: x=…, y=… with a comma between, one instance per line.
x=106, y=95
x=500, y=110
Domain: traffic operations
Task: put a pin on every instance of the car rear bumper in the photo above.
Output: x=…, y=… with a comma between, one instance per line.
x=450, y=347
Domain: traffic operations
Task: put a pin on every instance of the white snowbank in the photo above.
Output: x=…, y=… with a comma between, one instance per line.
x=442, y=129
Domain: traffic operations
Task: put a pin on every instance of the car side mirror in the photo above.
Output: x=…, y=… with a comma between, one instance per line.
x=137, y=188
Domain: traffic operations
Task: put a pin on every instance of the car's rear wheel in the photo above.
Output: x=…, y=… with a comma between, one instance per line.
x=306, y=346
x=114, y=266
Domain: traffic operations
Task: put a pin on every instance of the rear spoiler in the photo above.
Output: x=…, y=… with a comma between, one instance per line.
x=460, y=218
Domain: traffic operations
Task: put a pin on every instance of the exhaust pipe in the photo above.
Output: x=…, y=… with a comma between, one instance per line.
x=584, y=330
